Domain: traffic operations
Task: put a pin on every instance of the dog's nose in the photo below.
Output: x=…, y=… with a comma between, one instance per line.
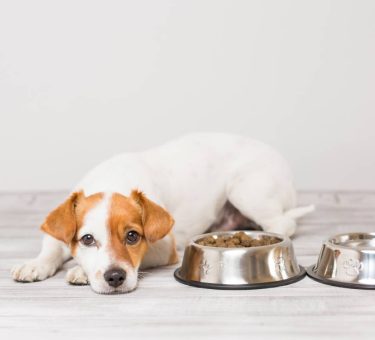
x=115, y=277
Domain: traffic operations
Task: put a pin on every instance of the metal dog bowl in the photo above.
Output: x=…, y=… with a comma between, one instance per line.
x=346, y=260
x=239, y=268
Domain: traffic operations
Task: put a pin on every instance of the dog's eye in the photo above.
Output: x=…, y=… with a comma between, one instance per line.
x=88, y=240
x=132, y=237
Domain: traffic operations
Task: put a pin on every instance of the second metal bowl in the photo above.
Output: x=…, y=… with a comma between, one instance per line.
x=239, y=268
x=346, y=260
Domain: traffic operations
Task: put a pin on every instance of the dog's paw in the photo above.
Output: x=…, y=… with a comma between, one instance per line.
x=34, y=270
x=76, y=276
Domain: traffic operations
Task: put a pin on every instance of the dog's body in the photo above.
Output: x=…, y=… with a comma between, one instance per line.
x=192, y=179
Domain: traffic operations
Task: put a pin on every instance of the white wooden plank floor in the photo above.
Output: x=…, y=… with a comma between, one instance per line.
x=163, y=308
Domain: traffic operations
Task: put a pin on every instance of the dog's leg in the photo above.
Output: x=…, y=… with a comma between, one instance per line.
x=52, y=256
x=76, y=276
x=264, y=200
x=161, y=253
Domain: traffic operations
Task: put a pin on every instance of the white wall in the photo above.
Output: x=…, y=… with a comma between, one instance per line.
x=83, y=80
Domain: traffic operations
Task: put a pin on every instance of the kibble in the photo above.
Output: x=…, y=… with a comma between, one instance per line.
x=237, y=240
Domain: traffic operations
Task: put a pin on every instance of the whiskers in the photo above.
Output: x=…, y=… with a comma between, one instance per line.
x=141, y=275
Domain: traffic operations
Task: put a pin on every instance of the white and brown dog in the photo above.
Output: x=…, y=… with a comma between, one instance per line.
x=119, y=218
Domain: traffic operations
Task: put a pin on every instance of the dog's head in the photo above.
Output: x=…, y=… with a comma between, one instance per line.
x=108, y=235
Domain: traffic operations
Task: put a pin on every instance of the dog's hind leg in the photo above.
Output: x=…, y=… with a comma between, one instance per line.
x=265, y=200
x=51, y=257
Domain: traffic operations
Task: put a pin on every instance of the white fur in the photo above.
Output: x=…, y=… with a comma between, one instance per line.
x=159, y=253
x=77, y=276
x=192, y=177
x=52, y=256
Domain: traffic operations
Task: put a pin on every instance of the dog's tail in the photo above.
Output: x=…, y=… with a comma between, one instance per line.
x=285, y=223
x=298, y=212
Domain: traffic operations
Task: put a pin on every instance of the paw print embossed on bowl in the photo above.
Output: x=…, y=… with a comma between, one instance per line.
x=346, y=260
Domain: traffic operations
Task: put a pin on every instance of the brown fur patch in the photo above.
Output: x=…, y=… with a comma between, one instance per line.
x=124, y=216
x=157, y=222
x=64, y=222
x=145, y=217
x=61, y=222
x=83, y=206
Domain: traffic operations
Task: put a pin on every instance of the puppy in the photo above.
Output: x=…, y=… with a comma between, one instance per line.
x=119, y=217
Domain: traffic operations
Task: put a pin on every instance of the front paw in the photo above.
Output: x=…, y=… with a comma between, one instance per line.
x=34, y=270
x=76, y=276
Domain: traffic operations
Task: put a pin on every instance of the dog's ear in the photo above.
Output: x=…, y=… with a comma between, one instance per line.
x=61, y=222
x=157, y=222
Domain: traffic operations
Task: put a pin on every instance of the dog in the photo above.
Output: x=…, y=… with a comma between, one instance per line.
x=119, y=218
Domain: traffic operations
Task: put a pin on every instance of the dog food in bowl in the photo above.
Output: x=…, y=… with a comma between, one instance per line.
x=237, y=240
x=239, y=260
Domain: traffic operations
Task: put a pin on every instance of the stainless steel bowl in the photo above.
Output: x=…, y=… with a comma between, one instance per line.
x=239, y=268
x=346, y=260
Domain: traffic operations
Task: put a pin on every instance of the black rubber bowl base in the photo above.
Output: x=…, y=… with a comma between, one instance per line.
x=289, y=281
x=314, y=276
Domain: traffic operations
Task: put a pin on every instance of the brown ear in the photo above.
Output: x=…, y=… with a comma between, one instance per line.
x=61, y=222
x=157, y=222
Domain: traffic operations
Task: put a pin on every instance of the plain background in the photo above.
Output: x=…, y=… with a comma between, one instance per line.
x=83, y=80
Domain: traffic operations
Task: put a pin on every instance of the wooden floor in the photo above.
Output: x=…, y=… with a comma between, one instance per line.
x=162, y=308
